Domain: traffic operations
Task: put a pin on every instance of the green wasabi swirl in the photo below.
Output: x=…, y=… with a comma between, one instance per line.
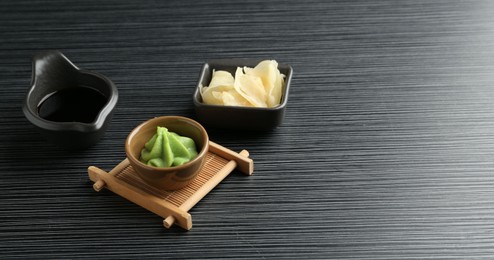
x=167, y=149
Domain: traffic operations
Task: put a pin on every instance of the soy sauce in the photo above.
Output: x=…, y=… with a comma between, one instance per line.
x=79, y=104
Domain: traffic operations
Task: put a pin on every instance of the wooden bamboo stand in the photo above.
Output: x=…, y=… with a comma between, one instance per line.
x=173, y=206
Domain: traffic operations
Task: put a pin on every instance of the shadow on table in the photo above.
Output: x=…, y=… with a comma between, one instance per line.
x=27, y=149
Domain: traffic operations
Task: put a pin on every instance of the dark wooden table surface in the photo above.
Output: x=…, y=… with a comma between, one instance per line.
x=386, y=151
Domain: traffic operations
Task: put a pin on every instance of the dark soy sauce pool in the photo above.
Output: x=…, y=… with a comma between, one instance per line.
x=80, y=104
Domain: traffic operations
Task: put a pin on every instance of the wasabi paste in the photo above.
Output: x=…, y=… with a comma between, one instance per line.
x=167, y=149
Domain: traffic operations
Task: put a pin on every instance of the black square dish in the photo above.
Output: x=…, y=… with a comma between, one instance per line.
x=237, y=117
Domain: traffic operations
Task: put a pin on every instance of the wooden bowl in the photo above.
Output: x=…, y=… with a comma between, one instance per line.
x=171, y=178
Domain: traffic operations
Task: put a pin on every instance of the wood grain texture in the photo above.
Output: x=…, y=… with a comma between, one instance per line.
x=386, y=151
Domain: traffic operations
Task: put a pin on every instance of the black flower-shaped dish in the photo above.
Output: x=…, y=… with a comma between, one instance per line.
x=71, y=107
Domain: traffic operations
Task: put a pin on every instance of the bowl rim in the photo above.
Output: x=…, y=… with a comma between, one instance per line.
x=200, y=154
x=236, y=62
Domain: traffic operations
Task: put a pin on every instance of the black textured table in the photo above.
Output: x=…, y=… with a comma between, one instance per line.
x=386, y=150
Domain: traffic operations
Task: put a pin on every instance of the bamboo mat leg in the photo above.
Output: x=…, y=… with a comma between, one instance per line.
x=151, y=203
x=244, y=163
